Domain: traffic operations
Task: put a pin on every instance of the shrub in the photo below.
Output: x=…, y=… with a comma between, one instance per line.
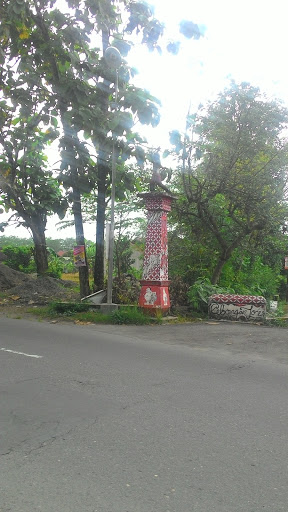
x=178, y=292
x=250, y=276
x=126, y=289
x=19, y=258
x=200, y=291
x=55, y=266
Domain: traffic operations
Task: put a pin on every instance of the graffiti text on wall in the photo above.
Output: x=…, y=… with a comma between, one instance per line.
x=234, y=312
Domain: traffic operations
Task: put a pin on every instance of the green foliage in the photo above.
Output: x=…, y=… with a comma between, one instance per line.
x=56, y=84
x=49, y=86
x=69, y=267
x=200, y=291
x=123, y=260
x=19, y=258
x=126, y=289
x=68, y=308
x=283, y=286
x=191, y=255
x=233, y=160
x=136, y=273
x=85, y=313
x=55, y=266
x=178, y=291
x=132, y=316
x=15, y=241
x=248, y=275
x=245, y=276
x=26, y=184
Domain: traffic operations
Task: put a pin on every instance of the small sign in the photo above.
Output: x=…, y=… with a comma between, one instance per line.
x=286, y=263
x=79, y=256
x=273, y=305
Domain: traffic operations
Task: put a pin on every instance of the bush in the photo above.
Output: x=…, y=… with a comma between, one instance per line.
x=19, y=258
x=126, y=289
x=250, y=276
x=55, y=266
x=178, y=292
x=200, y=291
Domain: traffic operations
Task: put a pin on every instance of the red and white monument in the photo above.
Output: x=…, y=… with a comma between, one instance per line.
x=155, y=284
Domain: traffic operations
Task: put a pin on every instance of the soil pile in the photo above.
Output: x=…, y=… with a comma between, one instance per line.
x=27, y=289
x=10, y=277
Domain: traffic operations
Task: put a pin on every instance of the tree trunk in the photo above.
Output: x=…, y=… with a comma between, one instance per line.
x=100, y=228
x=80, y=240
x=38, y=226
x=223, y=258
x=218, y=270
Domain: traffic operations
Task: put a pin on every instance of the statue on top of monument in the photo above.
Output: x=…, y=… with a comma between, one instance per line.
x=155, y=180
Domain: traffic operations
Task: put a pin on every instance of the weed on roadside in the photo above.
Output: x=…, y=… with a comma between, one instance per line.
x=132, y=316
x=82, y=313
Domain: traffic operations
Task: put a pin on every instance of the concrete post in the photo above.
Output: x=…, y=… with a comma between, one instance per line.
x=155, y=284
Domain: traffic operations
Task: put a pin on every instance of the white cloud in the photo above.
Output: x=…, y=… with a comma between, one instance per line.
x=243, y=40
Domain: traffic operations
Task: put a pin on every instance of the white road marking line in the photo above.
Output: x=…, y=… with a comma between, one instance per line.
x=21, y=353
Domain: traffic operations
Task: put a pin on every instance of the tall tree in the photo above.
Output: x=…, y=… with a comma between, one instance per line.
x=233, y=175
x=115, y=22
x=55, y=50
x=27, y=186
x=35, y=57
x=133, y=104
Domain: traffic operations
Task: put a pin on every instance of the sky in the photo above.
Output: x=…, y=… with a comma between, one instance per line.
x=244, y=41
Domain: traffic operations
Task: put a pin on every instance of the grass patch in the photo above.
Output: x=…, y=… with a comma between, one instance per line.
x=132, y=316
x=276, y=322
x=83, y=313
x=40, y=311
x=92, y=317
x=68, y=308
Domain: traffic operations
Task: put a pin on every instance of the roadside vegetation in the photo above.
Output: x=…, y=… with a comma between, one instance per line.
x=60, y=297
x=80, y=313
x=228, y=169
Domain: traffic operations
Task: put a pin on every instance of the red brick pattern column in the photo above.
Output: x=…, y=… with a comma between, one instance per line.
x=155, y=285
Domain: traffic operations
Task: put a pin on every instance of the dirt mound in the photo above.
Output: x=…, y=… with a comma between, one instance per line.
x=10, y=277
x=24, y=288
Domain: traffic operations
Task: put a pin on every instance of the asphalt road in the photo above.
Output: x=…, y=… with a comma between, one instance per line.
x=181, y=418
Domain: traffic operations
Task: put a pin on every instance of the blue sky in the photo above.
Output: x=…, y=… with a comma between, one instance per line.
x=246, y=41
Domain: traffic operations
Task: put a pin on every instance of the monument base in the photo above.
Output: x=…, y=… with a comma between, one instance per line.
x=154, y=296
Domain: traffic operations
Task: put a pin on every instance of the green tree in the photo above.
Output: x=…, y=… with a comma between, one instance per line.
x=51, y=52
x=15, y=241
x=27, y=186
x=233, y=180
x=54, y=52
